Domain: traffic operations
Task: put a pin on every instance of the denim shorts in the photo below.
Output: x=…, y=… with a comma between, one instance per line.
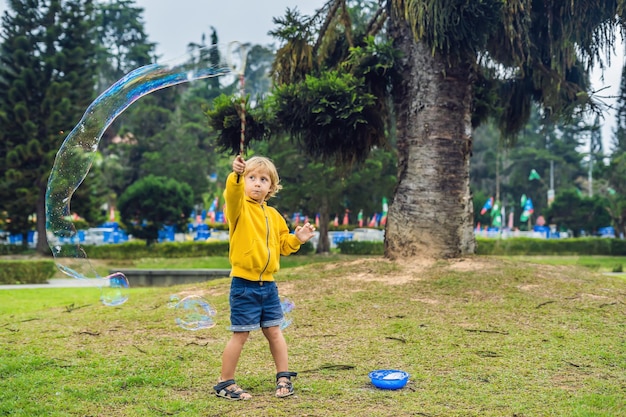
x=254, y=305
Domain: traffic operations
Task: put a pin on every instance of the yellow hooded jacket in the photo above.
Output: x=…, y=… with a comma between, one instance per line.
x=258, y=234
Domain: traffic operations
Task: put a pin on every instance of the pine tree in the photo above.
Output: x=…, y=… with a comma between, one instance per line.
x=46, y=82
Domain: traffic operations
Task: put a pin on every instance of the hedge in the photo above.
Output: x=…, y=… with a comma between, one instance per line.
x=514, y=246
x=26, y=272
x=14, y=249
x=532, y=246
x=485, y=246
x=139, y=249
x=352, y=247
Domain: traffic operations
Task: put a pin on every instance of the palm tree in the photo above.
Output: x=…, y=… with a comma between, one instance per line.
x=460, y=62
x=455, y=56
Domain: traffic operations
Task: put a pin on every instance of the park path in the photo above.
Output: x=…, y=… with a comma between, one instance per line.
x=57, y=283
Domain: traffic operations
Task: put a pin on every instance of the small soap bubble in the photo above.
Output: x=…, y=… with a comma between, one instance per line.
x=287, y=306
x=174, y=299
x=285, y=323
x=114, y=290
x=194, y=313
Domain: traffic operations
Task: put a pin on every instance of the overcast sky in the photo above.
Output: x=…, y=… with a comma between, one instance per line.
x=173, y=24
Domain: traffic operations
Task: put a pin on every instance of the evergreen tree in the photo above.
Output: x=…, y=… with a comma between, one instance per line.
x=46, y=82
x=123, y=44
x=573, y=211
x=153, y=202
x=540, y=146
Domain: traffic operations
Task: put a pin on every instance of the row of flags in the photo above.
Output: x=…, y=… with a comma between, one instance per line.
x=498, y=213
x=212, y=215
x=377, y=219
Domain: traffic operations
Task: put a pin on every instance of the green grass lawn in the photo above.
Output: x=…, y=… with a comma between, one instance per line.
x=596, y=263
x=484, y=336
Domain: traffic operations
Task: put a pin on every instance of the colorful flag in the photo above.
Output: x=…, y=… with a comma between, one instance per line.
x=497, y=215
x=529, y=206
x=214, y=204
x=336, y=221
x=487, y=206
x=496, y=220
x=213, y=209
x=372, y=222
x=346, y=218
x=317, y=220
x=383, y=219
x=496, y=209
x=360, y=218
x=534, y=175
x=529, y=209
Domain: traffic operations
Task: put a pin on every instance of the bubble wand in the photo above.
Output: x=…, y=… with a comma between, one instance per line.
x=241, y=71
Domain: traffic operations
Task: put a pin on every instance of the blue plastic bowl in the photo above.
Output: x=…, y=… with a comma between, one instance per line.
x=389, y=378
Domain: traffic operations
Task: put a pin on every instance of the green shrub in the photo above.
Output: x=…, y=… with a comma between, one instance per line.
x=26, y=272
x=351, y=247
x=533, y=246
x=14, y=249
x=306, y=249
x=139, y=249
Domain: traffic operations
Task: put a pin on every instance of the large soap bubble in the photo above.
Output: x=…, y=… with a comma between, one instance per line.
x=77, y=153
x=114, y=290
x=193, y=312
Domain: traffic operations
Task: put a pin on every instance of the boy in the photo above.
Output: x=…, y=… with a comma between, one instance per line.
x=258, y=237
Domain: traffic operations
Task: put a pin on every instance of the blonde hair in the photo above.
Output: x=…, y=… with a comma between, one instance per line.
x=266, y=165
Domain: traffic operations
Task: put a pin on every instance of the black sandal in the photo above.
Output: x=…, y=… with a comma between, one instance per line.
x=280, y=385
x=222, y=390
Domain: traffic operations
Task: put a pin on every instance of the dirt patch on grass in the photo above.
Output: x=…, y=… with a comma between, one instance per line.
x=402, y=271
x=201, y=292
x=471, y=264
x=387, y=271
x=425, y=300
x=395, y=279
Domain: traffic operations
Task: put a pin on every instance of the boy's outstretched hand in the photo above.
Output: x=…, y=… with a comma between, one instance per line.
x=304, y=233
x=239, y=165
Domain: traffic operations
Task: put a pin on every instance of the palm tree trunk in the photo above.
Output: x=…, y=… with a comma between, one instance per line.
x=323, y=244
x=432, y=213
